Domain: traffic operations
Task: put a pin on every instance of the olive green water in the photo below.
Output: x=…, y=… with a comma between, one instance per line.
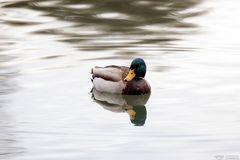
x=192, y=51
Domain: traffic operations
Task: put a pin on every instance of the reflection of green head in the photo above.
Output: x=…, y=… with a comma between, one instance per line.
x=141, y=115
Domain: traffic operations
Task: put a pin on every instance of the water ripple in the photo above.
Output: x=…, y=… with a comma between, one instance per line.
x=88, y=20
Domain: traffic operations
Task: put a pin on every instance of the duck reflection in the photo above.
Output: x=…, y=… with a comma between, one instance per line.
x=133, y=105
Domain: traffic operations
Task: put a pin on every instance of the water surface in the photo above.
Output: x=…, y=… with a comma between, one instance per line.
x=47, y=49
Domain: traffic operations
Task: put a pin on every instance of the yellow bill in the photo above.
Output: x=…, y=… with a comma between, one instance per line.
x=130, y=76
x=132, y=114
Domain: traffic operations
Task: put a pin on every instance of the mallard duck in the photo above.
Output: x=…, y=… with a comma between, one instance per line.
x=122, y=79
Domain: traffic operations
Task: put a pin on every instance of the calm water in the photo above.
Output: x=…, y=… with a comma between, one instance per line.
x=47, y=49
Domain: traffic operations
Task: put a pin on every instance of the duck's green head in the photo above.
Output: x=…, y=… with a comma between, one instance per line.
x=137, y=69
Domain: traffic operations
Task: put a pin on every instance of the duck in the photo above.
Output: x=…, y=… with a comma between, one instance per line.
x=122, y=79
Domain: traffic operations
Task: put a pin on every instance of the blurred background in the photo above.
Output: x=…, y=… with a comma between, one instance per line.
x=48, y=47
